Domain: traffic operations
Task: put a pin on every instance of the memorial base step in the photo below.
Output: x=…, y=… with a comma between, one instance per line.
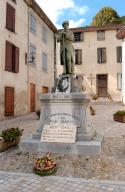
x=81, y=147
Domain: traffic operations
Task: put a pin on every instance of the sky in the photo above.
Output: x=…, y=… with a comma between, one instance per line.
x=79, y=13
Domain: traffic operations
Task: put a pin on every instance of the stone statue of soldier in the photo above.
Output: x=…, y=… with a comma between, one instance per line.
x=66, y=37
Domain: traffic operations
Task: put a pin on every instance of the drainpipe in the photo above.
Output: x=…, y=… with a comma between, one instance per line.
x=28, y=53
x=55, y=71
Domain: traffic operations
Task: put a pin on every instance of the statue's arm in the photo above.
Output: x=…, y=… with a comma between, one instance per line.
x=69, y=36
x=59, y=38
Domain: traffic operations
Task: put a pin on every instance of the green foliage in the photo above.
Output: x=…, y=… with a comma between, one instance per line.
x=11, y=134
x=106, y=16
x=122, y=19
x=121, y=113
x=44, y=172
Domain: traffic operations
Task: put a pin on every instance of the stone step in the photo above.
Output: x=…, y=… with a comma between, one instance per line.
x=82, y=147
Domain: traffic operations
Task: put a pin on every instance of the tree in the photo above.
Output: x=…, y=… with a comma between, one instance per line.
x=106, y=16
x=122, y=19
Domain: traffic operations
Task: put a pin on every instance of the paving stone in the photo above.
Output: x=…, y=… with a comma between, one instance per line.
x=26, y=183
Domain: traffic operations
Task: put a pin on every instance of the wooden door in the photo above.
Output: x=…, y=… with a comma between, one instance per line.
x=9, y=101
x=32, y=97
x=102, y=85
x=45, y=89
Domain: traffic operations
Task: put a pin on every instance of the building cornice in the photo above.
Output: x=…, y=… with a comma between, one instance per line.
x=33, y=4
x=96, y=28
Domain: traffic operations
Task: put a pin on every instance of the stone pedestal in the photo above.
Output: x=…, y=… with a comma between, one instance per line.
x=68, y=105
x=69, y=109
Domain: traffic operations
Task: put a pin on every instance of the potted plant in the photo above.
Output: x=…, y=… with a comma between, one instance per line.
x=38, y=113
x=94, y=97
x=9, y=137
x=119, y=116
x=45, y=165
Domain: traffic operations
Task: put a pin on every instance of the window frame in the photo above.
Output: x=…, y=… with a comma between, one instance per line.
x=119, y=81
x=44, y=62
x=101, y=55
x=100, y=36
x=119, y=54
x=78, y=52
x=32, y=23
x=32, y=47
x=78, y=36
x=44, y=34
x=10, y=17
x=13, y=66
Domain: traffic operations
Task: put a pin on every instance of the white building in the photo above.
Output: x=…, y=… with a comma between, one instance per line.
x=27, y=56
x=121, y=35
x=98, y=57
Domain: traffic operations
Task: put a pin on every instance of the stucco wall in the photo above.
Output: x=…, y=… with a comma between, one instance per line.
x=89, y=61
x=27, y=74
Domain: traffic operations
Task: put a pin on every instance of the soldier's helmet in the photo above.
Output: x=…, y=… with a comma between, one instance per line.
x=65, y=22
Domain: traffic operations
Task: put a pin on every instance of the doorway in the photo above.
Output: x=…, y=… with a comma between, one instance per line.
x=102, y=80
x=9, y=101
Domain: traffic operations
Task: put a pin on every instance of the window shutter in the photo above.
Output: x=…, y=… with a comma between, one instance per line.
x=119, y=81
x=119, y=54
x=82, y=36
x=103, y=55
x=10, y=18
x=8, y=56
x=13, y=19
x=98, y=55
x=76, y=57
x=16, y=70
x=25, y=58
x=79, y=57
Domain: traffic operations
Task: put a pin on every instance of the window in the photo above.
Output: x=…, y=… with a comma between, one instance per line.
x=26, y=57
x=32, y=24
x=101, y=55
x=10, y=18
x=14, y=1
x=78, y=36
x=78, y=56
x=119, y=54
x=44, y=61
x=45, y=89
x=119, y=81
x=44, y=34
x=33, y=54
x=100, y=35
x=12, y=58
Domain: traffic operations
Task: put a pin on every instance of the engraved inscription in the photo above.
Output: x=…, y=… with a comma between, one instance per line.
x=61, y=133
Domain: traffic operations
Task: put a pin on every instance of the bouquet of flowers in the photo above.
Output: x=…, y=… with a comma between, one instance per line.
x=45, y=165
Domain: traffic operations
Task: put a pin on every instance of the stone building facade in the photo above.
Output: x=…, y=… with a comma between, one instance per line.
x=98, y=57
x=27, y=61
x=121, y=35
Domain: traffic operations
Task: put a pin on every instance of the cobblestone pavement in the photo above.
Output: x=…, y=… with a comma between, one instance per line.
x=104, y=125
x=27, y=122
x=13, y=182
x=103, y=121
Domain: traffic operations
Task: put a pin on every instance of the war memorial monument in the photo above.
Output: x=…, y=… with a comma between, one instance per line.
x=64, y=126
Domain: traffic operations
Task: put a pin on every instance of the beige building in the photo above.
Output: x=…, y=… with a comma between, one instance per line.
x=98, y=57
x=27, y=61
x=121, y=35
